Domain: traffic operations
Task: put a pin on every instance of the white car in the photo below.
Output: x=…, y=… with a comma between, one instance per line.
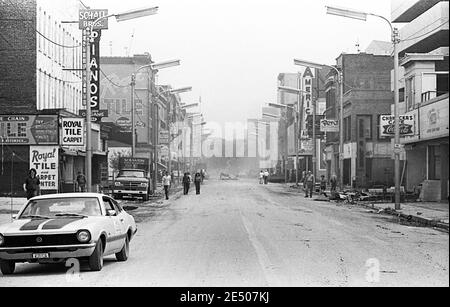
x=54, y=228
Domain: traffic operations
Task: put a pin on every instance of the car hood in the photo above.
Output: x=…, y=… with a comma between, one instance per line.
x=131, y=179
x=31, y=226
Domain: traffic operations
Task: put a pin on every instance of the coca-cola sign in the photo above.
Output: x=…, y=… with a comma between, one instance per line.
x=387, y=125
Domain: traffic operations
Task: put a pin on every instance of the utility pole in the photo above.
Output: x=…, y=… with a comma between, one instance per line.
x=88, y=161
x=298, y=121
x=133, y=119
x=395, y=41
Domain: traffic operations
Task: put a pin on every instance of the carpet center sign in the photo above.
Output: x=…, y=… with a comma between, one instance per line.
x=45, y=160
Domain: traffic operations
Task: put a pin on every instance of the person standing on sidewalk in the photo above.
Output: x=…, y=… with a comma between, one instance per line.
x=166, y=181
x=323, y=185
x=81, y=182
x=309, y=180
x=186, y=183
x=261, y=177
x=266, y=177
x=32, y=184
x=333, y=181
x=198, y=182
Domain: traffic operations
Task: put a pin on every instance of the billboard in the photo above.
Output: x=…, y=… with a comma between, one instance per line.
x=329, y=125
x=29, y=130
x=45, y=160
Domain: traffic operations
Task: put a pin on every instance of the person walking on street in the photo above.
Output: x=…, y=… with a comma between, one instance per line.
x=186, y=183
x=81, y=182
x=266, y=177
x=166, y=181
x=32, y=184
x=261, y=177
x=333, y=181
x=198, y=182
x=309, y=180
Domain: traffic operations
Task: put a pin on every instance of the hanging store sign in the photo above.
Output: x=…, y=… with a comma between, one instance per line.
x=329, y=125
x=387, y=125
x=72, y=132
x=29, y=130
x=86, y=19
x=95, y=71
x=164, y=137
x=44, y=159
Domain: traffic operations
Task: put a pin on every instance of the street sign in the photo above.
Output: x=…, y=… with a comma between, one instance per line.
x=96, y=115
x=72, y=132
x=164, y=153
x=45, y=160
x=87, y=18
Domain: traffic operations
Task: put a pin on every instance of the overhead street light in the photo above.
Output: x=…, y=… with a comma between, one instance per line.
x=188, y=106
x=345, y=12
x=280, y=106
x=179, y=90
x=271, y=115
x=349, y=13
x=291, y=90
x=133, y=14
x=340, y=75
x=165, y=64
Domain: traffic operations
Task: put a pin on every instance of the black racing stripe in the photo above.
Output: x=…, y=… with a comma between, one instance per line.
x=59, y=223
x=33, y=224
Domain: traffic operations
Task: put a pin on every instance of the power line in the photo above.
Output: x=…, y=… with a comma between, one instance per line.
x=112, y=82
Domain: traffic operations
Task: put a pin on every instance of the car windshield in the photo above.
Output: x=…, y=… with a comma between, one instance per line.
x=130, y=173
x=62, y=207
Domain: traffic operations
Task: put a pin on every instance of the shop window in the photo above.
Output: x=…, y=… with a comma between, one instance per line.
x=434, y=163
x=365, y=127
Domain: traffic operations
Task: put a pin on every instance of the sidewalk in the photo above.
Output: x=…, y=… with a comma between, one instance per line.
x=424, y=213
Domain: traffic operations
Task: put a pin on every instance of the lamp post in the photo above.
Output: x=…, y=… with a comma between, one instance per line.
x=119, y=18
x=349, y=13
x=298, y=120
x=340, y=75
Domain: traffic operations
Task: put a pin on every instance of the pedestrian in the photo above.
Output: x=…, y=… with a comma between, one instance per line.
x=309, y=180
x=333, y=181
x=186, y=183
x=81, y=182
x=32, y=184
x=323, y=185
x=261, y=177
x=166, y=180
x=198, y=182
x=266, y=177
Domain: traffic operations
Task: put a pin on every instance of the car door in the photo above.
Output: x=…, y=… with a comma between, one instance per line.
x=114, y=241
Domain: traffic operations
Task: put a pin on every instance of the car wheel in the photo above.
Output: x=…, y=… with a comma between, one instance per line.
x=7, y=267
x=125, y=252
x=96, y=259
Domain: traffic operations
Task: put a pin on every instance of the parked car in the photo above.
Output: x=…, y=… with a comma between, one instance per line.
x=54, y=228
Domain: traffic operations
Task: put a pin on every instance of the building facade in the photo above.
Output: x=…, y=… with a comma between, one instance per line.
x=38, y=88
x=367, y=95
x=424, y=88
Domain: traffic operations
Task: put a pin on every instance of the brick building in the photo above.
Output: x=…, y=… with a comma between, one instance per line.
x=367, y=95
x=36, y=90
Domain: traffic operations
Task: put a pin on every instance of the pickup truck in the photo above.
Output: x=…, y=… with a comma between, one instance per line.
x=132, y=183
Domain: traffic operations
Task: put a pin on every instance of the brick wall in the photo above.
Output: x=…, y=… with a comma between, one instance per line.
x=18, y=56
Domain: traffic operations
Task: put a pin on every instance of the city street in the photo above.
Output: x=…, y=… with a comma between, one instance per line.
x=240, y=233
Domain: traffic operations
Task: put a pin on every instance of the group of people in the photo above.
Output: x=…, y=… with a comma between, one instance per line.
x=264, y=177
x=198, y=179
x=32, y=184
x=309, y=182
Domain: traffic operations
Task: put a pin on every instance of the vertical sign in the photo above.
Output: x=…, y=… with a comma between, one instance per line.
x=95, y=70
x=45, y=160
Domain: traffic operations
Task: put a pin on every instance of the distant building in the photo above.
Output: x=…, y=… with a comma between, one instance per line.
x=424, y=88
x=367, y=94
x=380, y=48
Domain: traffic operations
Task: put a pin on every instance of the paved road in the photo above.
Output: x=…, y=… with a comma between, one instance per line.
x=238, y=233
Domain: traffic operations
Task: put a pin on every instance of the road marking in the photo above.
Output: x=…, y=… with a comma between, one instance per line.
x=263, y=258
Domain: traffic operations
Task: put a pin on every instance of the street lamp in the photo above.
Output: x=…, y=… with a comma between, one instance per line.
x=165, y=64
x=340, y=74
x=133, y=14
x=188, y=106
x=349, y=13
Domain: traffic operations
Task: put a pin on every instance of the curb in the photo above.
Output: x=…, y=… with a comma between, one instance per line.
x=420, y=220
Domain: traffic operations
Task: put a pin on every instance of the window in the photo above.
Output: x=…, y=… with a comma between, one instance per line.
x=410, y=94
x=365, y=127
x=348, y=129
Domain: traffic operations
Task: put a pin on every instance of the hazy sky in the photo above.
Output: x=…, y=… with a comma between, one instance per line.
x=233, y=50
